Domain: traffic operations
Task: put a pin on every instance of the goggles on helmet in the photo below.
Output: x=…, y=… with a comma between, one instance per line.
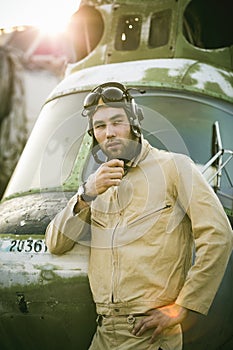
x=109, y=93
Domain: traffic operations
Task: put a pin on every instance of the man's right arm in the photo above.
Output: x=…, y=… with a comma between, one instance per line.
x=65, y=229
x=74, y=221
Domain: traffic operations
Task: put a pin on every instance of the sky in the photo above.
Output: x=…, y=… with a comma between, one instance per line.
x=48, y=15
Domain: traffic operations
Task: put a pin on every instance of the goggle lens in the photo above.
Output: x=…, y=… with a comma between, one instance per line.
x=109, y=94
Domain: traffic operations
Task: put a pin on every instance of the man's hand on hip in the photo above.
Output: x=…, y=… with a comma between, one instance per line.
x=160, y=319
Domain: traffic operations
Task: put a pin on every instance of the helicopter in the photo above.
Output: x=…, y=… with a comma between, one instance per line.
x=175, y=53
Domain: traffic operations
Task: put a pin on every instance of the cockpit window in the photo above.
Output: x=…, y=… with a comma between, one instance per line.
x=128, y=32
x=208, y=24
x=160, y=28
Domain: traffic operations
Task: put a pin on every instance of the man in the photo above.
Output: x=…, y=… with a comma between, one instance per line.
x=147, y=210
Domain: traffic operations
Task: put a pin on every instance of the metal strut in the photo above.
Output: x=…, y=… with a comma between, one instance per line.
x=217, y=158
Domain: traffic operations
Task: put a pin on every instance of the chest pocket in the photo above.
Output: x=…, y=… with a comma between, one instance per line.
x=152, y=215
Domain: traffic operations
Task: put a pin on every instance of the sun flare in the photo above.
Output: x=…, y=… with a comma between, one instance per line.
x=53, y=19
x=52, y=25
x=49, y=16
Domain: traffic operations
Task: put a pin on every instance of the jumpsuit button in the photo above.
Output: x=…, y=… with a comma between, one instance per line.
x=131, y=319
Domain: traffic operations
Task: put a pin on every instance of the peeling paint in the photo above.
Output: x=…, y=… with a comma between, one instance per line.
x=176, y=74
x=215, y=76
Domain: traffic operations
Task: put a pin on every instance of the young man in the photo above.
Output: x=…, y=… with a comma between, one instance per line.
x=147, y=210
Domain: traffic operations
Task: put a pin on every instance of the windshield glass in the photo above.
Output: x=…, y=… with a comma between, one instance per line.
x=52, y=147
x=174, y=122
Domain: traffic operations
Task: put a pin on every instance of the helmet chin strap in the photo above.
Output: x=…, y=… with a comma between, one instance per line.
x=100, y=161
x=94, y=152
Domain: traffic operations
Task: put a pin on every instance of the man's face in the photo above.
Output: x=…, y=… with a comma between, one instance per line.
x=113, y=133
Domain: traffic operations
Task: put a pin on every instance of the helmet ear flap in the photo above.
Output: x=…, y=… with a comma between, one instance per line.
x=136, y=116
x=90, y=127
x=140, y=114
x=137, y=112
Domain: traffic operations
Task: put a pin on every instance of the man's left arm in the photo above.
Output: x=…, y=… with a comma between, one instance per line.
x=212, y=234
x=213, y=245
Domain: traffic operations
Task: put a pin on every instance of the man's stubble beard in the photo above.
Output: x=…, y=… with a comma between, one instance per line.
x=127, y=152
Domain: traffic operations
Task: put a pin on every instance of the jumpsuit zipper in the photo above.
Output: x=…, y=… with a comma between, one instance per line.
x=114, y=262
x=114, y=258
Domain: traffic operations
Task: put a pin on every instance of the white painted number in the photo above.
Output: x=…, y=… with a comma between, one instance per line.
x=28, y=246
